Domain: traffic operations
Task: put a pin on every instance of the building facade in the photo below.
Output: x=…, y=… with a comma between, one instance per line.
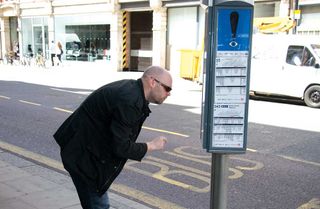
x=126, y=34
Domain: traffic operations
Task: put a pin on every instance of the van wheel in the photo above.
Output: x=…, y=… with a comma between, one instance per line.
x=312, y=96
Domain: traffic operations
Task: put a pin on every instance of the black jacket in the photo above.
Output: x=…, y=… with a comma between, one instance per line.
x=99, y=137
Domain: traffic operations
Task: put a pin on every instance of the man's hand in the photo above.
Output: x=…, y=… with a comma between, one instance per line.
x=157, y=143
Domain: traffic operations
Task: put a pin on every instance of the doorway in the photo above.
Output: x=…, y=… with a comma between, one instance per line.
x=40, y=40
x=141, y=38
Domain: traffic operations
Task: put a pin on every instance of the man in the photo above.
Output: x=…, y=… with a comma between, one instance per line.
x=52, y=52
x=99, y=137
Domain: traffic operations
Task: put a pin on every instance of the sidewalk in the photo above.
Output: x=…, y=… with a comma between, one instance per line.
x=27, y=185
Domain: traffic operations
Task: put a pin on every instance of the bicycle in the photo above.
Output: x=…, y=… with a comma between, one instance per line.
x=40, y=60
x=26, y=59
x=11, y=58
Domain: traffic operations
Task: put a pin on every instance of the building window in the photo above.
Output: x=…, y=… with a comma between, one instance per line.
x=84, y=37
x=87, y=42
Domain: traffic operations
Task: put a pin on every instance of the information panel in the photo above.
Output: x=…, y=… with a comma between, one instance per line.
x=229, y=80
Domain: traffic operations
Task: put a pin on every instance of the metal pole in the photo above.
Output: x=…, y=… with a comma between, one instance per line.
x=296, y=7
x=219, y=175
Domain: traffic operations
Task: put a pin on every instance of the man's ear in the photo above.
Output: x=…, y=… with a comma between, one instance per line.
x=152, y=83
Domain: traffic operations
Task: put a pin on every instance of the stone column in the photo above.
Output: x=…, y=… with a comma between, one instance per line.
x=20, y=36
x=159, y=33
x=1, y=39
x=116, y=38
x=51, y=26
x=284, y=9
x=5, y=35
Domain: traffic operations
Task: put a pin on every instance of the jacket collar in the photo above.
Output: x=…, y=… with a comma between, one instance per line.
x=145, y=107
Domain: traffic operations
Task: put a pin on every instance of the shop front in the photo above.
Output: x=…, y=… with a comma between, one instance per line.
x=83, y=37
x=35, y=37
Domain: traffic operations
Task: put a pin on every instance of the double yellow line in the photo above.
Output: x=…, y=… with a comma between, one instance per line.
x=119, y=188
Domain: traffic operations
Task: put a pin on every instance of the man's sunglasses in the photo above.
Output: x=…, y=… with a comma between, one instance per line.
x=166, y=88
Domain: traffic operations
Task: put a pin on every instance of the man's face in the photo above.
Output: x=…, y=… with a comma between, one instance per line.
x=161, y=89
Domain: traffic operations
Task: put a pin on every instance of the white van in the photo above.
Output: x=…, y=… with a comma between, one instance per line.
x=286, y=65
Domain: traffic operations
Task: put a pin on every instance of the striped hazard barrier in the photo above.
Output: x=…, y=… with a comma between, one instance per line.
x=124, y=41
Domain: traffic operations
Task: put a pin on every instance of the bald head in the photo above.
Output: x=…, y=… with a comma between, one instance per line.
x=157, y=84
x=158, y=73
x=154, y=71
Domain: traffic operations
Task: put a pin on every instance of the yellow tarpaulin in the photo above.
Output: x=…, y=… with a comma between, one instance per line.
x=273, y=24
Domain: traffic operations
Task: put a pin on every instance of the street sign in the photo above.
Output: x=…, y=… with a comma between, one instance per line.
x=226, y=91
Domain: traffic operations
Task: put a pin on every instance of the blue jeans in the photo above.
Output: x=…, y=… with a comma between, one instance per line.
x=89, y=199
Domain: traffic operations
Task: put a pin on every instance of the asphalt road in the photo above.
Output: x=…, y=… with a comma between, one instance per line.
x=281, y=169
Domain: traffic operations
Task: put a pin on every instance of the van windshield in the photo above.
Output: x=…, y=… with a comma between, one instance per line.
x=316, y=48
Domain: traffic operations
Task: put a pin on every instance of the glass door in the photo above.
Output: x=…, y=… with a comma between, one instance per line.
x=40, y=40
